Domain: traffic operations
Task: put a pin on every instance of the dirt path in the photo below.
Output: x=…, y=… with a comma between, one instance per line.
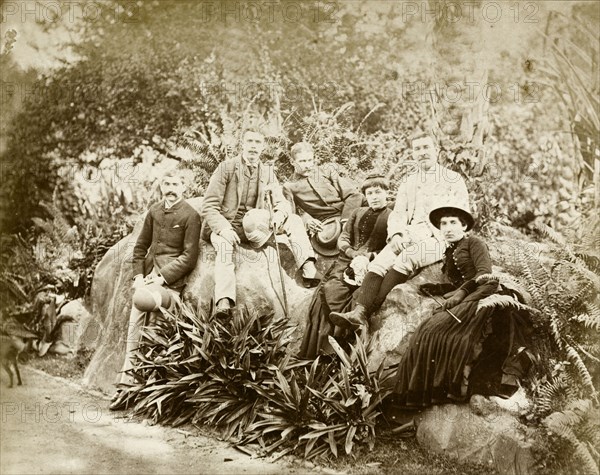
x=51, y=426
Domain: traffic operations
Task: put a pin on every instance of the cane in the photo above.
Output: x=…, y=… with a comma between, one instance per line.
x=440, y=304
x=270, y=206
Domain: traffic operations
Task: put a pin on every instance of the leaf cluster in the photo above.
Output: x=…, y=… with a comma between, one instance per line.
x=236, y=375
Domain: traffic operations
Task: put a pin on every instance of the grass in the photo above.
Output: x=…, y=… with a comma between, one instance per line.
x=64, y=366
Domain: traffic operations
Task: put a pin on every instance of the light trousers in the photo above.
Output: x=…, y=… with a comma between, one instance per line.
x=414, y=256
x=137, y=319
x=225, y=260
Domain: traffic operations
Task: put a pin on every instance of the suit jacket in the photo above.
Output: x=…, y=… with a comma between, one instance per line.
x=442, y=188
x=224, y=193
x=322, y=194
x=350, y=237
x=169, y=242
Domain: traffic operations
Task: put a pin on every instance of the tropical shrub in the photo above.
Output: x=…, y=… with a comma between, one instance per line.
x=323, y=409
x=193, y=367
x=236, y=375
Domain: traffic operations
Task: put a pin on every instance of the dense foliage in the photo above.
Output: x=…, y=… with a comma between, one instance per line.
x=158, y=84
x=236, y=374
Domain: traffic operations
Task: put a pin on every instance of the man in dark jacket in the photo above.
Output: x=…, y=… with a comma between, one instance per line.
x=318, y=193
x=165, y=252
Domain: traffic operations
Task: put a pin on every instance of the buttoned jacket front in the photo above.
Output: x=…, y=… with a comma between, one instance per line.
x=466, y=261
x=168, y=243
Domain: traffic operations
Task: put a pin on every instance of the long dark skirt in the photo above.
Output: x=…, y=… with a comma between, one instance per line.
x=331, y=295
x=443, y=353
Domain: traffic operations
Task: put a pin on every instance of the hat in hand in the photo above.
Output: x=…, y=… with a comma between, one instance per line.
x=325, y=241
x=149, y=298
x=256, y=227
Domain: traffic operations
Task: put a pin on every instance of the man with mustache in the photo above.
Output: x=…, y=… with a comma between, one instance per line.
x=165, y=252
x=238, y=186
x=413, y=242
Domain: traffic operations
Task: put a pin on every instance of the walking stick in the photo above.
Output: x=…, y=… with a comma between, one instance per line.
x=270, y=206
x=440, y=304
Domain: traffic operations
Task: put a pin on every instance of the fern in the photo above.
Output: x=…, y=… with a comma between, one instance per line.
x=578, y=424
x=503, y=301
x=575, y=358
x=591, y=318
x=552, y=392
x=564, y=291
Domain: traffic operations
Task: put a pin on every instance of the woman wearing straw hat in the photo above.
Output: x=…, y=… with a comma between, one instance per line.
x=364, y=235
x=451, y=349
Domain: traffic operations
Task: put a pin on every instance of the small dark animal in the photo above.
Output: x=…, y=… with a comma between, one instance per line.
x=12, y=343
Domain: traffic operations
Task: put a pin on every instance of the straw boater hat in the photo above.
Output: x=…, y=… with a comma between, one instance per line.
x=459, y=208
x=256, y=227
x=325, y=241
x=150, y=298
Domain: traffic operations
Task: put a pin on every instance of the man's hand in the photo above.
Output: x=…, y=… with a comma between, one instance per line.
x=230, y=236
x=138, y=281
x=456, y=297
x=397, y=243
x=278, y=220
x=154, y=279
x=313, y=226
x=359, y=265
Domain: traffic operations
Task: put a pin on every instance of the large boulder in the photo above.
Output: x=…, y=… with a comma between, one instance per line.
x=479, y=432
x=259, y=287
x=399, y=316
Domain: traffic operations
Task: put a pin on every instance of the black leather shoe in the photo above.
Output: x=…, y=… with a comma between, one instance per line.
x=310, y=282
x=223, y=308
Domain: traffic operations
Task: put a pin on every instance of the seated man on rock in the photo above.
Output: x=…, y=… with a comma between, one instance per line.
x=413, y=242
x=237, y=186
x=318, y=194
x=165, y=252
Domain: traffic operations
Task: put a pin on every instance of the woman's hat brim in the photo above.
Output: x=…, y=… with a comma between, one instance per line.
x=436, y=215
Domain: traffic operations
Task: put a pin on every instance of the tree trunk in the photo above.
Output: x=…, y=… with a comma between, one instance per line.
x=459, y=73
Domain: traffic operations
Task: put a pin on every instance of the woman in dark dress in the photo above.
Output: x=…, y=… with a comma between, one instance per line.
x=364, y=235
x=444, y=354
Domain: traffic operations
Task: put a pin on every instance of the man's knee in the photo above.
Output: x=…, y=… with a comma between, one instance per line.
x=417, y=255
x=382, y=262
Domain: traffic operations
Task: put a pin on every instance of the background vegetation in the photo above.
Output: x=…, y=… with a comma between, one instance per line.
x=138, y=88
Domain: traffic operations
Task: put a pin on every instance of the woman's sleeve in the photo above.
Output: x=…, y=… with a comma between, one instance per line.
x=482, y=262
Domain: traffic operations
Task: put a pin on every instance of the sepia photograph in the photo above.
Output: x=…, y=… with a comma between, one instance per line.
x=343, y=237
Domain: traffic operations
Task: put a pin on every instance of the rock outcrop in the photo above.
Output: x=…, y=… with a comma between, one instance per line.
x=259, y=286
x=478, y=432
x=258, y=281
